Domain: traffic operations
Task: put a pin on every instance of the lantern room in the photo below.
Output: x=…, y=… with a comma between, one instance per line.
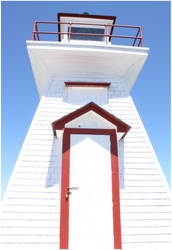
x=85, y=27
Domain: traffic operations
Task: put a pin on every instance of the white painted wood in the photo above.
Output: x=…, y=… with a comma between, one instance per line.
x=90, y=216
x=139, y=177
x=30, y=217
x=34, y=238
x=59, y=59
x=31, y=223
x=146, y=202
x=90, y=120
x=85, y=95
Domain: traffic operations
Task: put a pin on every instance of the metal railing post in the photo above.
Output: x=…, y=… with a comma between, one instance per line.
x=37, y=33
x=136, y=37
x=33, y=32
x=141, y=39
x=106, y=34
x=69, y=36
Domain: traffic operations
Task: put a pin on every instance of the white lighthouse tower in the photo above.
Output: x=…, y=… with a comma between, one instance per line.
x=87, y=176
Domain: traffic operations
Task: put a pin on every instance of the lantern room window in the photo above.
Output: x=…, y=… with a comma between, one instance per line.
x=85, y=27
x=87, y=30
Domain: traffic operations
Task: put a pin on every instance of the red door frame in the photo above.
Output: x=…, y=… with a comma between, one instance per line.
x=64, y=213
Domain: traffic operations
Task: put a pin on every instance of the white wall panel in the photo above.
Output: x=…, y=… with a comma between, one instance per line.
x=90, y=216
x=31, y=206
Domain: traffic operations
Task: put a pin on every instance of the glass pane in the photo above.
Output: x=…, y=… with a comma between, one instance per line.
x=89, y=31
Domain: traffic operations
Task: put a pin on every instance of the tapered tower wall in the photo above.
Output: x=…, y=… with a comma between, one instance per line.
x=31, y=206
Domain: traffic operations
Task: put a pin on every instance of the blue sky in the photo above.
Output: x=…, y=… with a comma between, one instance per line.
x=151, y=92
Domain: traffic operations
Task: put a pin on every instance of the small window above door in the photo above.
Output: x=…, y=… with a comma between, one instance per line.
x=81, y=93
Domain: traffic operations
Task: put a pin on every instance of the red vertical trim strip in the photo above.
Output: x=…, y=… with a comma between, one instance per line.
x=115, y=192
x=64, y=213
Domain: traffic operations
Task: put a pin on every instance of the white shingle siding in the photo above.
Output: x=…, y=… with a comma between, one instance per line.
x=31, y=206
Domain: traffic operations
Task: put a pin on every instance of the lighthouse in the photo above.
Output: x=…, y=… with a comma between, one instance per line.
x=87, y=176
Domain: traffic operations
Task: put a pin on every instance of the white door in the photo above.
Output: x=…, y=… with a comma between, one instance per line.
x=90, y=204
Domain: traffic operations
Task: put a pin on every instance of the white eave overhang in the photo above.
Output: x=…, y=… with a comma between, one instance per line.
x=57, y=59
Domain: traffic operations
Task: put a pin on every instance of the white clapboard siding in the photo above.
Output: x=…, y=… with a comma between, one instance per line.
x=35, y=181
x=43, y=153
x=143, y=177
x=141, y=171
x=143, y=189
x=35, y=195
x=33, y=169
x=39, y=148
x=137, y=155
x=146, y=209
x=141, y=230
x=133, y=143
x=40, y=142
x=31, y=210
x=144, y=195
x=150, y=202
x=31, y=230
x=146, y=237
x=142, y=223
x=140, y=165
x=34, y=238
x=146, y=215
x=32, y=215
x=43, y=223
x=43, y=158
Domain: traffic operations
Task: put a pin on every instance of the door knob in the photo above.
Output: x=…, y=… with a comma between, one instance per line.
x=69, y=191
x=67, y=194
x=73, y=188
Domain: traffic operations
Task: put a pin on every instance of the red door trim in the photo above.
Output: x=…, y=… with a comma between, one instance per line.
x=64, y=213
x=115, y=192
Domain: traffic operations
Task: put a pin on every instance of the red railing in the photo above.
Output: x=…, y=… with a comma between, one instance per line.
x=136, y=40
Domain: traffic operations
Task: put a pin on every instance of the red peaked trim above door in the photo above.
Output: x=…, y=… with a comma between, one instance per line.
x=121, y=126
